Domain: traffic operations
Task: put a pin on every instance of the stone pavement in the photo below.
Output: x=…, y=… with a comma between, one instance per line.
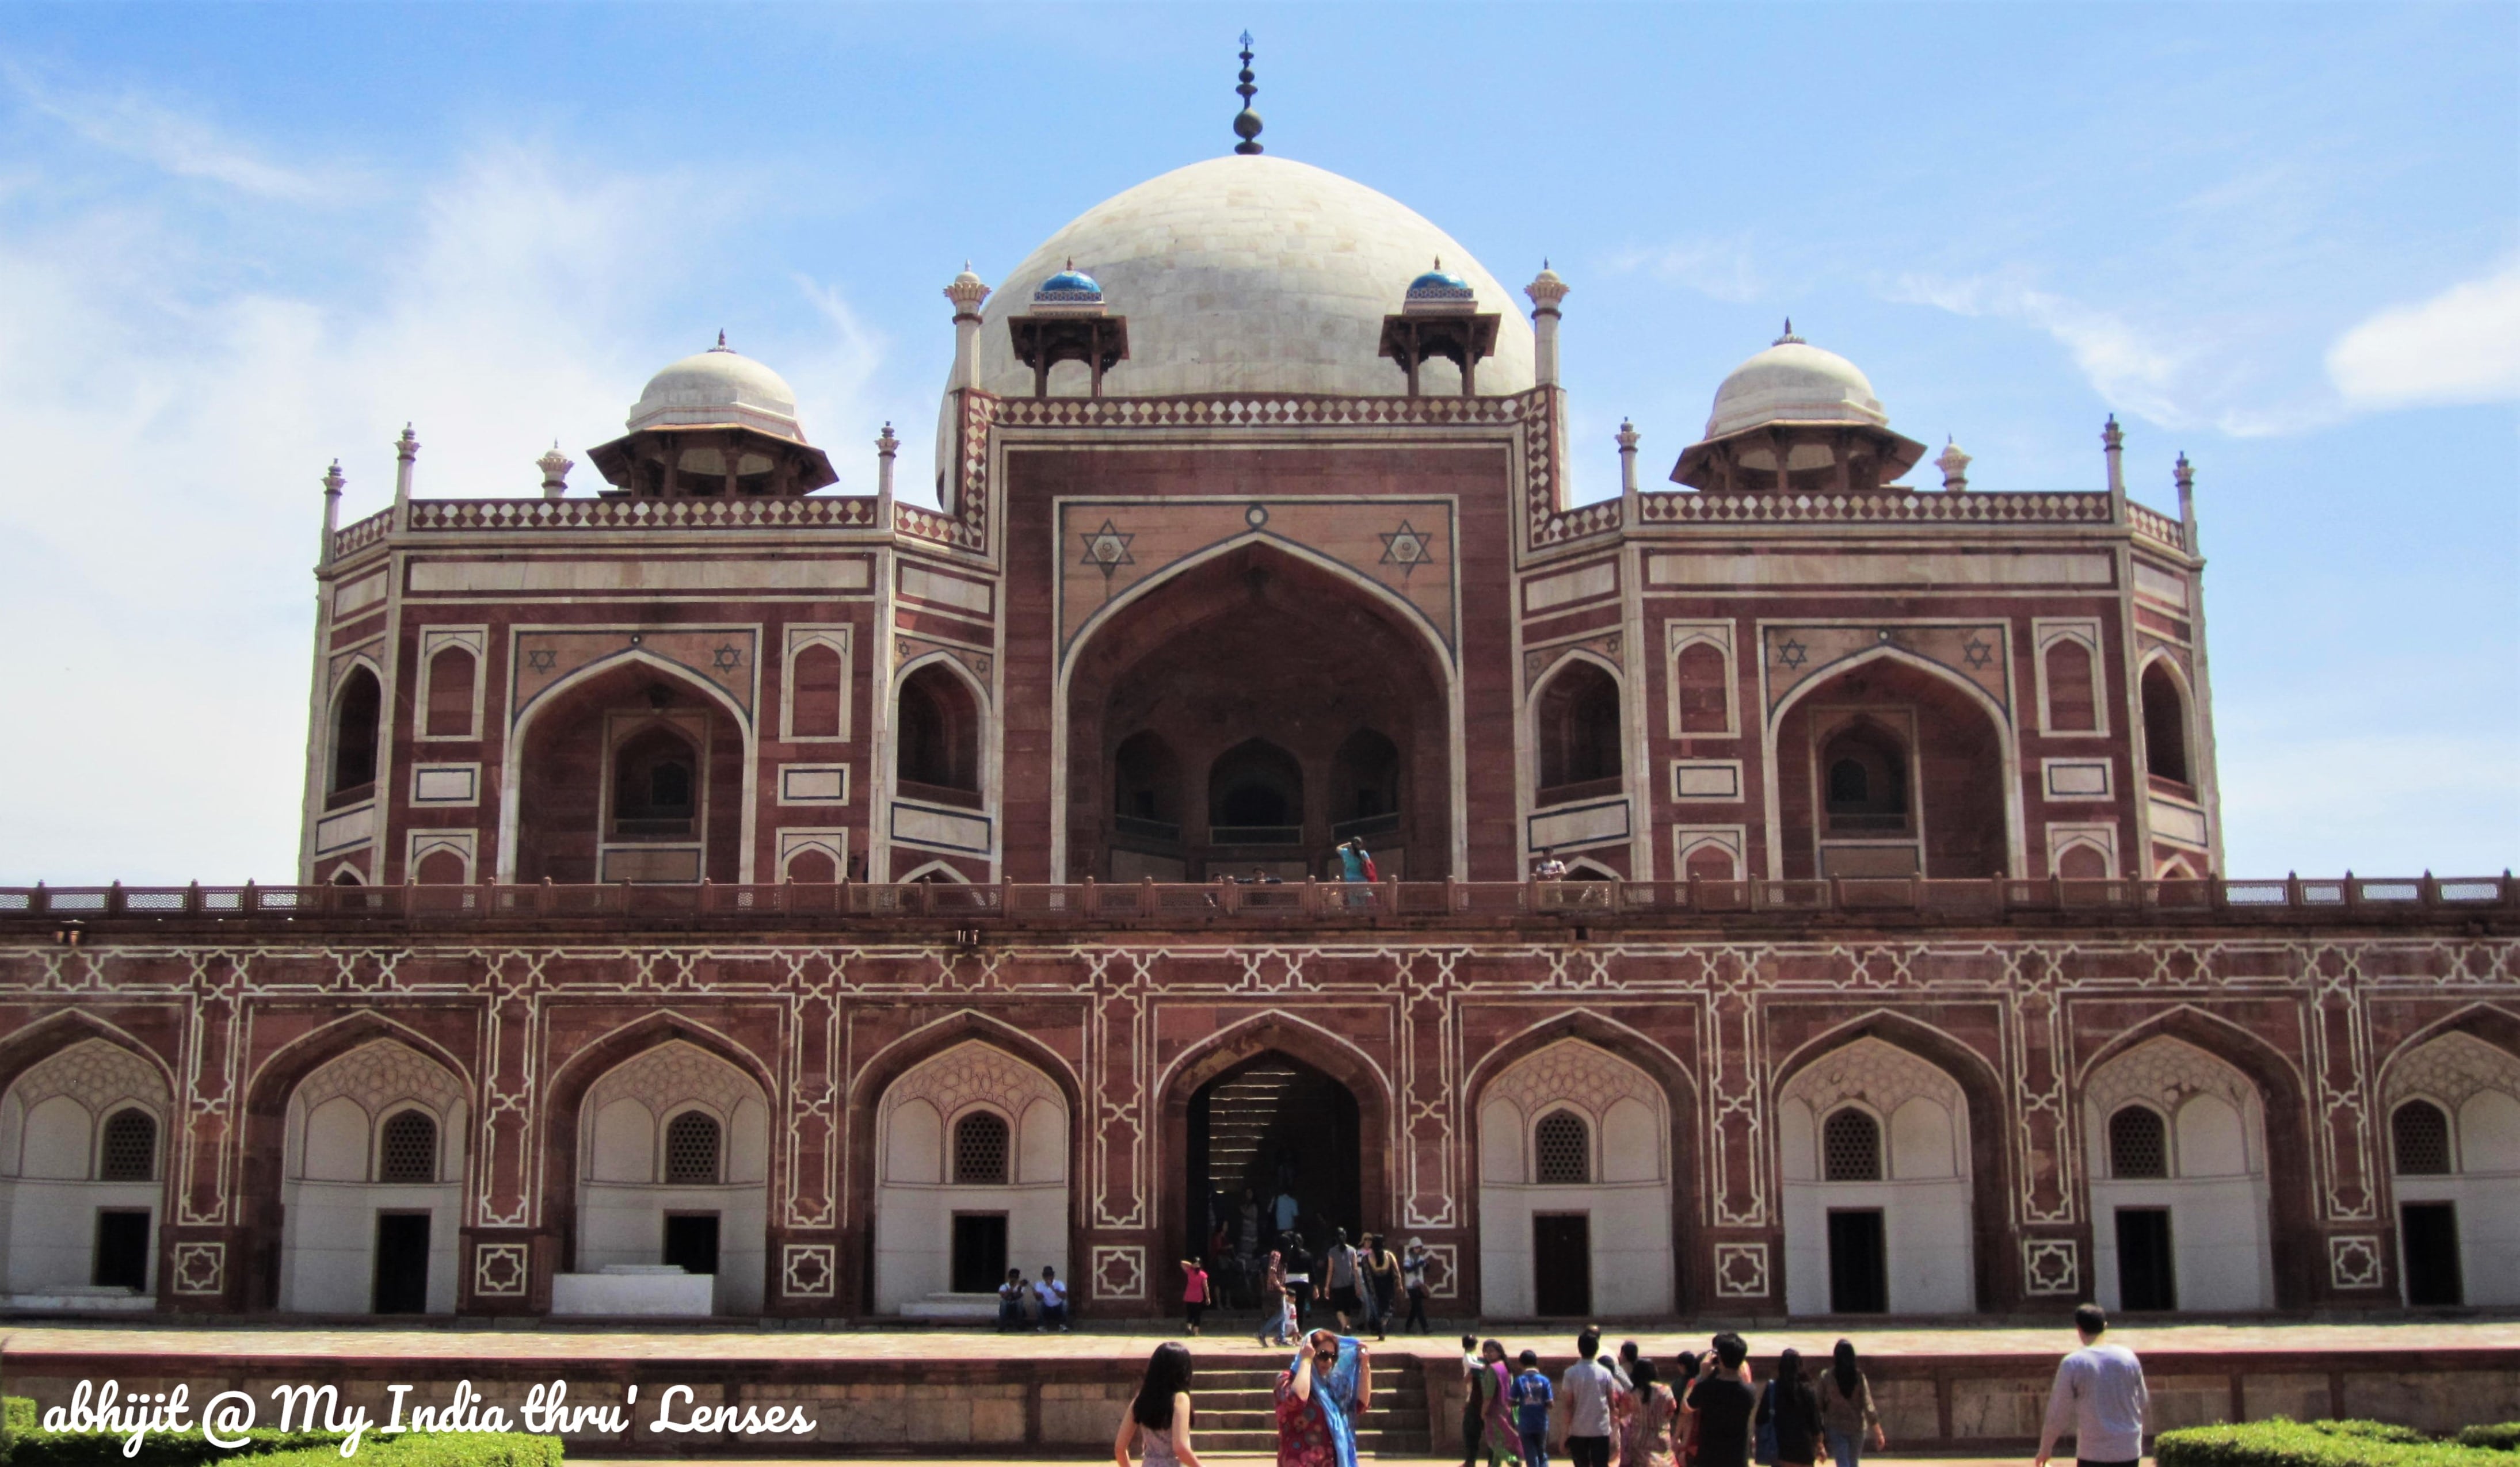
x=180, y=1344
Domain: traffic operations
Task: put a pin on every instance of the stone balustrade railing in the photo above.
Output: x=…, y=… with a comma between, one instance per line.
x=1888, y=508
x=65, y=911
x=527, y=516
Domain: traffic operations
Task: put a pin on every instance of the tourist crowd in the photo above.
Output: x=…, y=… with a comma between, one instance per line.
x=1714, y=1410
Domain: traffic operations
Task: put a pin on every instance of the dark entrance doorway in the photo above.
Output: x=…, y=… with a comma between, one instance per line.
x=402, y=1263
x=1859, y=1264
x=2428, y=1231
x=122, y=1249
x=979, y=1252
x=691, y=1241
x=1271, y=1125
x=2145, y=1277
x=1561, y=1264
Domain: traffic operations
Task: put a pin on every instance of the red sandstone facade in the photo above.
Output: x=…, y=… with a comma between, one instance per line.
x=1892, y=813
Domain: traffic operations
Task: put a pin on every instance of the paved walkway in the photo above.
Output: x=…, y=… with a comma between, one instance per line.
x=583, y=1343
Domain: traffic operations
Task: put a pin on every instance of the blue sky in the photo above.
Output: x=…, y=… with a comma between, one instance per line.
x=237, y=242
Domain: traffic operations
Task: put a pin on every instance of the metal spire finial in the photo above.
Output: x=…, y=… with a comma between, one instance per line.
x=1788, y=336
x=1246, y=123
x=721, y=341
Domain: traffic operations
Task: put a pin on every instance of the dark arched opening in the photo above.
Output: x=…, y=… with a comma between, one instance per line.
x=356, y=711
x=1579, y=734
x=630, y=776
x=1255, y=796
x=1365, y=786
x=2165, y=727
x=1147, y=796
x=939, y=735
x=1271, y=1126
x=1258, y=646
x=1890, y=770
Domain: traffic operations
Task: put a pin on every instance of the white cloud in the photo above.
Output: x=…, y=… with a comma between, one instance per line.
x=2461, y=346
x=187, y=147
x=1719, y=267
x=168, y=427
x=2131, y=368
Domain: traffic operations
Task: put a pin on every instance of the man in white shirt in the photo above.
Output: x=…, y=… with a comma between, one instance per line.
x=1053, y=1300
x=2099, y=1396
x=1588, y=1388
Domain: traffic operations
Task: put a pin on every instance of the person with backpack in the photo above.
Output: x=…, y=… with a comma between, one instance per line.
x=1847, y=1417
x=1532, y=1398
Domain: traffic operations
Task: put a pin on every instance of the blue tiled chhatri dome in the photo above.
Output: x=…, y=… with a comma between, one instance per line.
x=1071, y=290
x=1439, y=290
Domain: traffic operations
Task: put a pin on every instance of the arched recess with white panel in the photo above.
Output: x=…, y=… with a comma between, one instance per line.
x=675, y=1171
x=2177, y=1148
x=372, y=1193
x=82, y=1140
x=971, y=1148
x=1570, y=1136
x=2454, y=1137
x=1878, y=1208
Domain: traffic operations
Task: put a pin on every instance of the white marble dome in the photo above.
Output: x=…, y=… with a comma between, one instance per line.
x=1794, y=381
x=1253, y=274
x=718, y=387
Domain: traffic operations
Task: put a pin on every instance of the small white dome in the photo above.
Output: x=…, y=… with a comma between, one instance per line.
x=1794, y=381
x=718, y=387
x=1255, y=274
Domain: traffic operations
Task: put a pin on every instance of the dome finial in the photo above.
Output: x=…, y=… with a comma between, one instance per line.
x=1246, y=123
x=1788, y=336
x=721, y=341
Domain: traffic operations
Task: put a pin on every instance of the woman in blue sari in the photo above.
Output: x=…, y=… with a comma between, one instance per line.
x=1325, y=1389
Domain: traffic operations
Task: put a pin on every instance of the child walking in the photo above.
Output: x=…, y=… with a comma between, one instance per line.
x=1532, y=1396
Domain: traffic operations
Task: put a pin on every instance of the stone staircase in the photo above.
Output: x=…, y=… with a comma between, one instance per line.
x=1239, y=1114
x=1237, y=1415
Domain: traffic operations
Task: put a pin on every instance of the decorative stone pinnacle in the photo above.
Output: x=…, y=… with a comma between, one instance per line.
x=1629, y=437
x=1246, y=123
x=332, y=480
x=966, y=290
x=888, y=445
x=1546, y=289
x=2183, y=473
x=1788, y=336
x=2112, y=437
x=1955, y=465
x=406, y=447
x=555, y=465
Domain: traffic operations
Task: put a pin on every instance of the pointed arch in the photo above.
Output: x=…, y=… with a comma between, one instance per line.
x=938, y=868
x=522, y=721
x=2483, y=1020
x=55, y=1032
x=1684, y=1161
x=1393, y=607
x=1981, y=1082
x=864, y=1099
x=2008, y=744
x=2283, y=1097
x=1300, y=1040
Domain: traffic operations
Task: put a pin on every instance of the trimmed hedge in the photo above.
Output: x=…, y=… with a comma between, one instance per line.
x=28, y=1445
x=2503, y=1436
x=2313, y=1444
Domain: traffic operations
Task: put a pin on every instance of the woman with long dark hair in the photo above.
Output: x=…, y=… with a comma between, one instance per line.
x=1157, y=1424
x=1846, y=1413
x=1649, y=1440
x=1794, y=1409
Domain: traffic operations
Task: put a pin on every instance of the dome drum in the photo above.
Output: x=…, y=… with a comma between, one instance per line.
x=1817, y=458
x=1796, y=417
x=704, y=462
